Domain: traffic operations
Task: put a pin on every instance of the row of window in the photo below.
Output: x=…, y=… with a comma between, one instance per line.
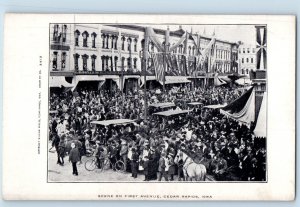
x=247, y=60
x=244, y=50
x=245, y=71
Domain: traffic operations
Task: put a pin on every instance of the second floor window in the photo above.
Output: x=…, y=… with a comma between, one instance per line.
x=64, y=33
x=54, y=61
x=63, y=60
x=135, y=45
x=55, y=32
x=94, y=62
x=84, y=62
x=134, y=63
x=76, y=57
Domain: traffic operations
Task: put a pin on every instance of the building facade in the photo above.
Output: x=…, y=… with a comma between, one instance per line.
x=96, y=52
x=247, y=59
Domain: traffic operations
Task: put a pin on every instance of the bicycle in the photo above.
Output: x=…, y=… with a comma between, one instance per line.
x=106, y=164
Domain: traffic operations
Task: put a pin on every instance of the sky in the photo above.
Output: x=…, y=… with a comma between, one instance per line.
x=232, y=33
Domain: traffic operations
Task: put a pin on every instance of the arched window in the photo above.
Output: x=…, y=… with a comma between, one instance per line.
x=242, y=60
x=129, y=63
x=251, y=60
x=94, y=35
x=64, y=33
x=189, y=49
x=123, y=63
x=54, y=61
x=63, y=60
x=135, y=63
x=142, y=44
x=94, y=57
x=76, y=34
x=247, y=71
x=55, y=32
x=135, y=44
x=242, y=71
x=84, y=62
x=194, y=50
x=76, y=57
x=116, y=43
x=129, y=44
x=247, y=60
x=123, y=43
x=85, y=36
x=116, y=63
x=103, y=36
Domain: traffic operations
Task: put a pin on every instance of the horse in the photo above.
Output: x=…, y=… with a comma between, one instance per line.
x=191, y=170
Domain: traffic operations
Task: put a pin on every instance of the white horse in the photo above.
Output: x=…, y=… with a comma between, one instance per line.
x=191, y=170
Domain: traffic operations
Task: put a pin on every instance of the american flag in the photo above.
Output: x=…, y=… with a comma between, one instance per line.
x=158, y=62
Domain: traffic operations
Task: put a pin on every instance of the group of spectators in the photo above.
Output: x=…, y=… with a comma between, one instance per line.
x=229, y=150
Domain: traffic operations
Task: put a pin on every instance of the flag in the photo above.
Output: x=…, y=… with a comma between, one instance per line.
x=158, y=63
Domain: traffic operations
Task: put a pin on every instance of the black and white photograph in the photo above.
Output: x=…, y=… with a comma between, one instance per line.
x=157, y=103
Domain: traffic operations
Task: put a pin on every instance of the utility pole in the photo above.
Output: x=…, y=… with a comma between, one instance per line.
x=145, y=59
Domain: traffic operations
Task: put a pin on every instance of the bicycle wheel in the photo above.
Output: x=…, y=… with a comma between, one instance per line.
x=90, y=164
x=106, y=164
x=120, y=166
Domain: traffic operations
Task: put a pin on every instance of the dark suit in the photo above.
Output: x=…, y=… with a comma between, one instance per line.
x=161, y=169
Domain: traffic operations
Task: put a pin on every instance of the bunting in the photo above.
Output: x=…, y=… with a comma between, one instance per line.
x=158, y=63
x=261, y=44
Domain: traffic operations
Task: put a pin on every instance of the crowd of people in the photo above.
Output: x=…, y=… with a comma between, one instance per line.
x=151, y=145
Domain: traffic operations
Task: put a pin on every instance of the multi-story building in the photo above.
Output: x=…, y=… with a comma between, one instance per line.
x=247, y=59
x=113, y=54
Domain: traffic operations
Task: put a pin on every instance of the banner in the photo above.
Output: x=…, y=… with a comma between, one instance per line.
x=158, y=62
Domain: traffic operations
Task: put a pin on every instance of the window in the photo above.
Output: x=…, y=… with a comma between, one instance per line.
x=247, y=71
x=64, y=33
x=63, y=60
x=129, y=63
x=116, y=63
x=247, y=60
x=251, y=60
x=129, y=44
x=189, y=50
x=84, y=62
x=94, y=35
x=76, y=57
x=94, y=57
x=85, y=36
x=193, y=53
x=243, y=50
x=135, y=63
x=253, y=50
x=123, y=43
x=242, y=71
x=135, y=45
x=248, y=50
x=123, y=63
x=103, y=40
x=240, y=50
x=116, y=43
x=242, y=60
x=77, y=34
x=55, y=32
x=54, y=61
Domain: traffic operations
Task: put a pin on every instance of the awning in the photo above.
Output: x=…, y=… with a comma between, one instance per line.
x=113, y=122
x=218, y=81
x=225, y=78
x=176, y=79
x=261, y=128
x=131, y=76
x=217, y=106
x=163, y=105
x=172, y=112
x=195, y=103
x=58, y=82
x=148, y=78
x=79, y=78
x=243, y=81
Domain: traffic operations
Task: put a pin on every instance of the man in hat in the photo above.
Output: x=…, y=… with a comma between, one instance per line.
x=171, y=163
x=74, y=157
x=134, y=162
x=162, y=167
x=146, y=168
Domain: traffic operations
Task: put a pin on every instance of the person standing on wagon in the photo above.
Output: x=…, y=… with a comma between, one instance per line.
x=74, y=157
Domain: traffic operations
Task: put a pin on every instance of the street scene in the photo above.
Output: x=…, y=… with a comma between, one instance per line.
x=158, y=103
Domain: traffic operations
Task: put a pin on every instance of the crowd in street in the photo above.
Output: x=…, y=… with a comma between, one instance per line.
x=227, y=149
